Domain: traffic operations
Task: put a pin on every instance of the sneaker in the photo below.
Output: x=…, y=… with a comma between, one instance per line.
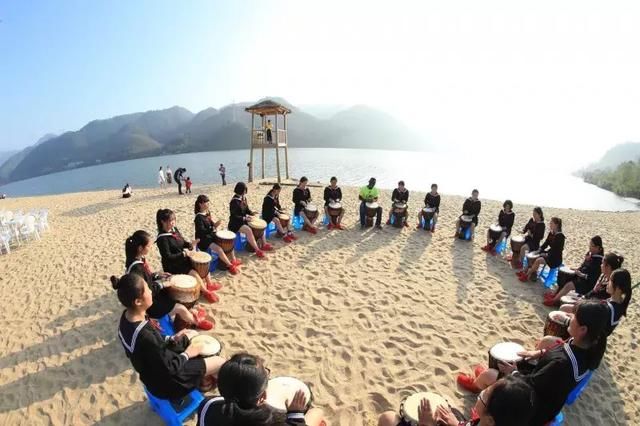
x=267, y=247
x=233, y=269
x=210, y=296
x=214, y=286
x=260, y=253
x=339, y=226
x=292, y=236
x=467, y=382
x=236, y=262
x=313, y=230
x=330, y=227
x=204, y=324
x=479, y=369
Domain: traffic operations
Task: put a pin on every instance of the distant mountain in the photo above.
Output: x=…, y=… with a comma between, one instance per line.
x=5, y=155
x=323, y=111
x=617, y=155
x=9, y=164
x=177, y=130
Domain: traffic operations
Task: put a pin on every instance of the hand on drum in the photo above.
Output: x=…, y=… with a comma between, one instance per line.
x=529, y=354
x=445, y=416
x=507, y=367
x=195, y=242
x=298, y=404
x=185, y=332
x=164, y=276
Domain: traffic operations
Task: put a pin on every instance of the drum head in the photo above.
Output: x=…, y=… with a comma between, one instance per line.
x=496, y=228
x=400, y=205
x=183, y=281
x=532, y=257
x=410, y=405
x=569, y=300
x=225, y=234
x=283, y=216
x=201, y=257
x=429, y=210
x=517, y=239
x=567, y=270
x=506, y=351
x=335, y=206
x=211, y=345
x=466, y=218
x=559, y=317
x=257, y=224
x=372, y=205
x=284, y=388
x=311, y=207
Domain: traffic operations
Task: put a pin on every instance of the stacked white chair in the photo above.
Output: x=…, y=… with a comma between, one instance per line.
x=17, y=228
x=28, y=228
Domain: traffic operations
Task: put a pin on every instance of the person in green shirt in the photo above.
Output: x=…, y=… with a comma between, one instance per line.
x=369, y=194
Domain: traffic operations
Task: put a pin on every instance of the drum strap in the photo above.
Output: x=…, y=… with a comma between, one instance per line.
x=205, y=408
x=132, y=347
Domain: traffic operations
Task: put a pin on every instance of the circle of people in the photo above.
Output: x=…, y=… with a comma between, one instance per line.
x=518, y=387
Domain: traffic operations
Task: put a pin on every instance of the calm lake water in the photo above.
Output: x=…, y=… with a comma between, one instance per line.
x=454, y=175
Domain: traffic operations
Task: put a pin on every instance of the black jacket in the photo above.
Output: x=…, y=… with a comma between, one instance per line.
x=171, y=246
x=552, y=249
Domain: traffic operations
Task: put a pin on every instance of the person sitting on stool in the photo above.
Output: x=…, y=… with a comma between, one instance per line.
x=471, y=207
x=369, y=194
x=400, y=195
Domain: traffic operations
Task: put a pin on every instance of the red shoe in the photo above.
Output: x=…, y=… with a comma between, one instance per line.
x=330, y=226
x=267, y=247
x=313, y=230
x=204, y=324
x=210, y=296
x=214, y=286
x=485, y=248
x=236, y=262
x=388, y=222
x=339, y=226
x=233, y=269
x=292, y=236
x=523, y=278
x=286, y=239
x=467, y=382
x=260, y=253
x=548, y=294
x=479, y=369
x=550, y=302
x=493, y=252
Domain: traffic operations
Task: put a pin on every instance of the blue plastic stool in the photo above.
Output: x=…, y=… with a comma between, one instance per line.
x=166, y=326
x=558, y=420
x=271, y=229
x=467, y=233
x=575, y=393
x=241, y=242
x=325, y=220
x=188, y=405
x=297, y=221
x=501, y=247
x=423, y=225
x=549, y=276
x=214, y=260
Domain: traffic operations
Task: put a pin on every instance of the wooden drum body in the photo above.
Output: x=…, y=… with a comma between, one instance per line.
x=184, y=289
x=200, y=262
x=226, y=240
x=399, y=212
x=371, y=212
x=257, y=229
x=334, y=209
x=284, y=220
x=517, y=241
x=557, y=324
x=311, y=212
x=494, y=233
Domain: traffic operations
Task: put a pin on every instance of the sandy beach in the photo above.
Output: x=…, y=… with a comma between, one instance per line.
x=366, y=317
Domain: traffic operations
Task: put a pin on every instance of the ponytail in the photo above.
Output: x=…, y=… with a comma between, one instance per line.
x=621, y=280
x=200, y=200
x=134, y=242
x=539, y=211
x=614, y=260
x=129, y=287
x=597, y=241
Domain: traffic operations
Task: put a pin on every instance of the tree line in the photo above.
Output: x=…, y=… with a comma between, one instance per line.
x=624, y=180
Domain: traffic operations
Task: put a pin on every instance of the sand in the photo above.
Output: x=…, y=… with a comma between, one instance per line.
x=366, y=317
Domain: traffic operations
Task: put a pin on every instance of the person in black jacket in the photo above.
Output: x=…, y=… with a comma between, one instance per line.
x=178, y=176
x=206, y=233
x=302, y=198
x=136, y=247
x=586, y=274
x=505, y=221
x=431, y=201
x=271, y=211
x=333, y=194
x=558, y=370
x=471, y=207
x=175, y=251
x=550, y=252
x=508, y=402
x=169, y=367
x=400, y=195
x=239, y=217
x=242, y=382
x=534, y=233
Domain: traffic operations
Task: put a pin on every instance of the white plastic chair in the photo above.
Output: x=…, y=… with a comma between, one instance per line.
x=5, y=239
x=28, y=228
x=43, y=221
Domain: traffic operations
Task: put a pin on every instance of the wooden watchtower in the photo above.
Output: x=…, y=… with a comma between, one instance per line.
x=269, y=113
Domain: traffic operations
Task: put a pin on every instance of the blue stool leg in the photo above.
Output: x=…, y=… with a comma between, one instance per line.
x=558, y=420
x=168, y=413
x=577, y=391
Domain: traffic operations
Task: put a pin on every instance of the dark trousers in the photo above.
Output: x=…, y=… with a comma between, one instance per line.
x=363, y=214
x=224, y=182
x=179, y=187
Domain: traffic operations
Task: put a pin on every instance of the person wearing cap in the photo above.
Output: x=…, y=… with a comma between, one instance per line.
x=369, y=194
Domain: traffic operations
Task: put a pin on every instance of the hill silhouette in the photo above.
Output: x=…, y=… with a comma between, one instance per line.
x=178, y=130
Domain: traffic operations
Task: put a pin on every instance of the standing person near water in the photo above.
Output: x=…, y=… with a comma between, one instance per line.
x=161, y=180
x=177, y=176
x=223, y=172
x=169, y=175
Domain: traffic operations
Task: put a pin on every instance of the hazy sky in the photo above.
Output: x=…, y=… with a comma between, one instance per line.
x=559, y=78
